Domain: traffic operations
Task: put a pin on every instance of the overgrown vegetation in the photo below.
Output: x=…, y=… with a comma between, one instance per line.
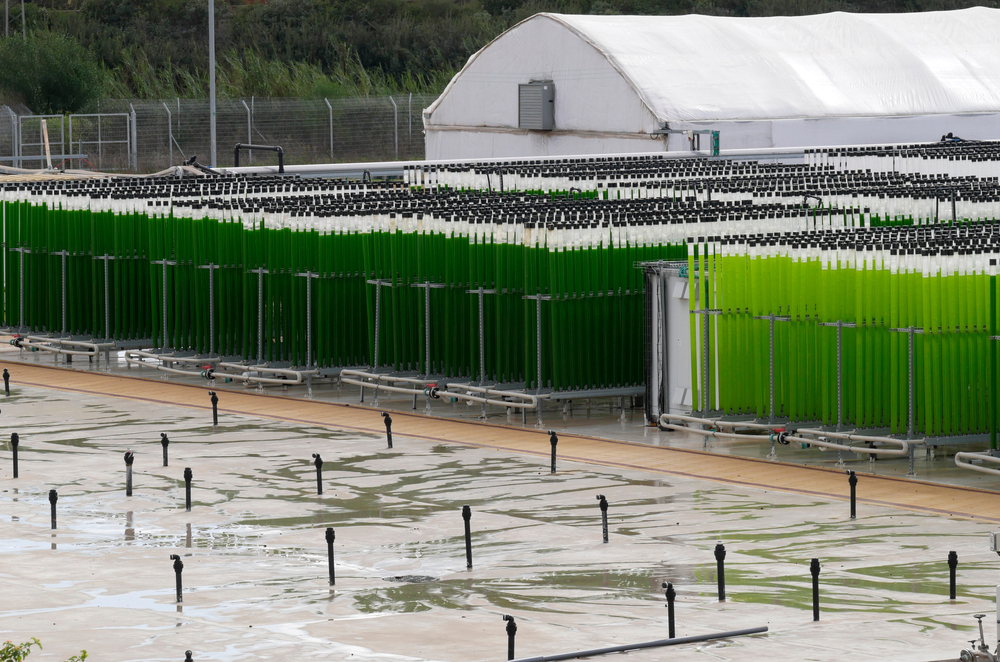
x=11, y=652
x=303, y=48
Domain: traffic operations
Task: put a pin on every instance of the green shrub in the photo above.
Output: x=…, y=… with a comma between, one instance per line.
x=49, y=72
x=11, y=652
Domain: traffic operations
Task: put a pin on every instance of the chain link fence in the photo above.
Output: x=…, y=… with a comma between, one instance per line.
x=169, y=131
x=147, y=136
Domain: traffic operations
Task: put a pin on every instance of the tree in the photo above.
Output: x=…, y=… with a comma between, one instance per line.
x=49, y=72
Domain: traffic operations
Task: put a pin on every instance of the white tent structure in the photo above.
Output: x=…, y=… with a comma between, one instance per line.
x=829, y=79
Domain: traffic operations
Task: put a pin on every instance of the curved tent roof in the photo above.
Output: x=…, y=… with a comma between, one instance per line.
x=625, y=73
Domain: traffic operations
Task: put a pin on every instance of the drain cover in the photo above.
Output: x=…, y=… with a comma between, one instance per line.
x=410, y=579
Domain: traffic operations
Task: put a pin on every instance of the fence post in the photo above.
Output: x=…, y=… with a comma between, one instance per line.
x=16, y=135
x=409, y=115
x=170, y=133
x=70, y=141
x=249, y=133
x=330, y=108
x=395, y=123
x=134, y=147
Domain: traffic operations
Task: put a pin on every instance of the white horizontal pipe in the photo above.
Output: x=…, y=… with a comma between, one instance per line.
x=532, y=404
x=715, y=421
x=851, y=437
x=380, y=387
x=490, y=391
x=903, y=450
x=385, y=378
x=986, y=470
x=715, y=433
x=57, y=350
x=178, y=371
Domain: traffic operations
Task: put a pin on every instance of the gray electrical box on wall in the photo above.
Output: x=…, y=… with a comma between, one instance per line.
x=536, y=108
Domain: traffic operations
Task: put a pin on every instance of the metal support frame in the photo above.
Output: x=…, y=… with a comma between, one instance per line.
x=309, y=275
x=64, y=254
x=840, y=326
x=482, y=291
x=428, y=286
x=107, y=295
x=772, y=318
x=705, y=312
x=211, y=304
x=260, y=271
x=539, y=298
x=379, y=283
x=22, y=250
x=909, y=331
x=165, y=262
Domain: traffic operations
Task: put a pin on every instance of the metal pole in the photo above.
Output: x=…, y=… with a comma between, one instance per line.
x=24, y=28
x=211, y=76
x=952, y=567
x=129, y=458
x=603, y=503
x=853, y=482
x=188, y=475
x=720, y=561
x=330, y=109
x=814, y=569
x=318, y=462
x=170, y=132
x=909, y=426
x=249, y=132
x=671, y=596
x=330, y=537
x=466, y=515
x=770, y=410
x=511, y=633
x=395, y=124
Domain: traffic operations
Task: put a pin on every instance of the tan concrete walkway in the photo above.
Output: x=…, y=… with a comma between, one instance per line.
x=913, y=495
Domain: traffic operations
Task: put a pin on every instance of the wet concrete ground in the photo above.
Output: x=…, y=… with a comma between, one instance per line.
x=598, y=417
x=255, y=566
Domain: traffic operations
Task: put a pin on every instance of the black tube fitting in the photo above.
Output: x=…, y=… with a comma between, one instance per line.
x=187, y=488
x=388, y=427
x=269, y=148
x=720, y=562
x=164, y=441
x=330, y=537
x=187, y=656
x=6, y=381
x=671, y=595
x=467, y=516
x=814, y=569
x=511, y=633
x=853, y=481
x=318, y=461
x=603, y=503
x=14, y=441
x=53, y=497
x=952, y=567
x=215, y=407
x=129, y=458
x=178, y=569
x=553, y=439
